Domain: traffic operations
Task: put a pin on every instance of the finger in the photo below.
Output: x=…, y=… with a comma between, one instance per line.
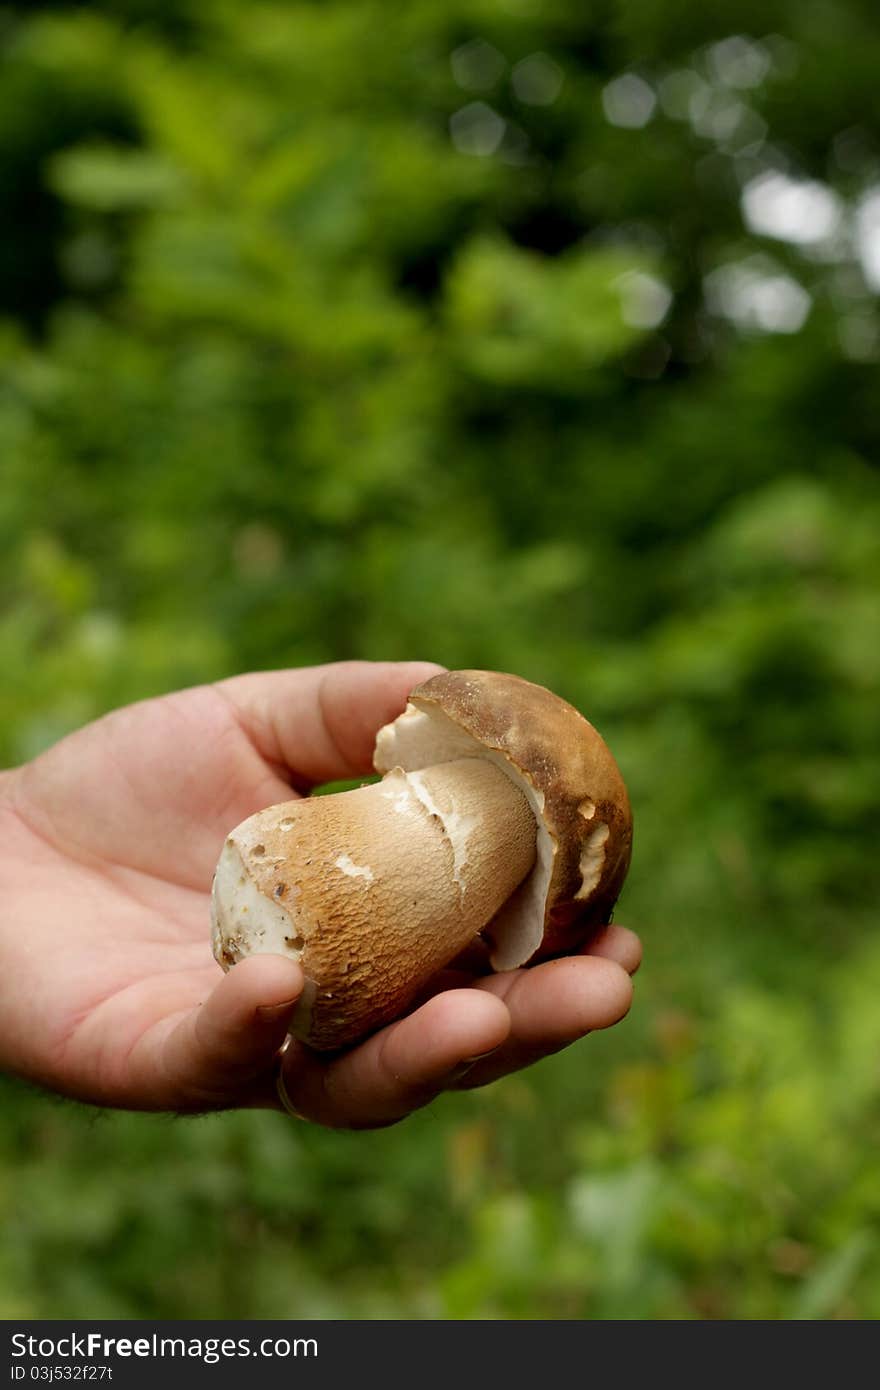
x=550, y=1006
x=320, y=722
x=613, y=943
x=401, y=1068
x=210, y=1055
x=616, y=943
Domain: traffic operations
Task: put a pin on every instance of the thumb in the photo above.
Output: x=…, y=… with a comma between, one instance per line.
x=209, y=1057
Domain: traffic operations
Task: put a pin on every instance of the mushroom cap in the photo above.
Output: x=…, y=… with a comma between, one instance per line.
x=572, y=782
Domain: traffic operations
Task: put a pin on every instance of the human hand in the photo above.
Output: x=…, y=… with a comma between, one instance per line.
x=109, y=991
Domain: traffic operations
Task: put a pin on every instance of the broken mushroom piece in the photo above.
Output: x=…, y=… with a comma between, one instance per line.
x=501, y=812
x=572, y=783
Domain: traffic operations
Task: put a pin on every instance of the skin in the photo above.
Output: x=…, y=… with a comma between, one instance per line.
x=109, y=993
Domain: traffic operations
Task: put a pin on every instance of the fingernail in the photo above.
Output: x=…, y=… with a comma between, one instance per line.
x=467, y=1062
x=273, y=1013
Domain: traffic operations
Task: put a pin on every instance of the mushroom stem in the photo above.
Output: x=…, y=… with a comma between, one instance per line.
x=373, y=890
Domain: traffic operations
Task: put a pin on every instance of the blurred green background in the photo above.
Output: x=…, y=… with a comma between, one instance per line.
x=539, y=335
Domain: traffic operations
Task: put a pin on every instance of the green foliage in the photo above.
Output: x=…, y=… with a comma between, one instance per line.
x=333, y=330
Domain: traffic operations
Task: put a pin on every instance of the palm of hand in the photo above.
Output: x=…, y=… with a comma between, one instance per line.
x=110, y=991
x=123, y=823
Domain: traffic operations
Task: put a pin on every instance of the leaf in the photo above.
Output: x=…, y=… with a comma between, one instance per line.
x=107, y=178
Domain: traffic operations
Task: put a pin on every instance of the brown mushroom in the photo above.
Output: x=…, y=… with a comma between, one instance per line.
x=500, y=813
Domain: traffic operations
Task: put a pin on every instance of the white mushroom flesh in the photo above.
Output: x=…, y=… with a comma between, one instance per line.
x=243, y=920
